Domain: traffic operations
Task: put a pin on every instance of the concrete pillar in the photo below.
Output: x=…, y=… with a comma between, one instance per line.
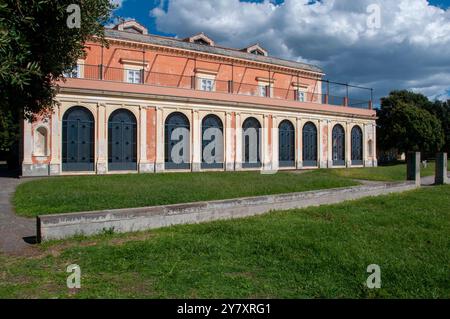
x=159, y=166
x=102, y=142
x=299, y=143
x=55, y=162
x=441, y=169
x=196, y=142
x=238, y=143
x=229, y=142
x=413, y=167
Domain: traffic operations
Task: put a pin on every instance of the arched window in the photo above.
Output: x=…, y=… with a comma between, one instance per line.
x=212, y=142
x=309, y=145
x=78, y=140
x=251, y=137
x=177, y=142
x=40, y=142
x=357, y=146
x=286, y=144
x=338, y=145
x=122, y=141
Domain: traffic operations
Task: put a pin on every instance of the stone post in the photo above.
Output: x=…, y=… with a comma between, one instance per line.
x=413, y=167
x=441, y=169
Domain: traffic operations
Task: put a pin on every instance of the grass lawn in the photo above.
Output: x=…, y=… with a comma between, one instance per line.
x=84, y=193
x=381, y=173
x=307, y=253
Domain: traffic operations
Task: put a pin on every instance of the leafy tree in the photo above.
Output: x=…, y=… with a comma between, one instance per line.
x=36, y=47
x=441, y=109
x=405, y=124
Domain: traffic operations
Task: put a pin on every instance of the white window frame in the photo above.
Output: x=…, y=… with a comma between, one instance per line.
x=205, y=77
x=301, y=95
x=79, y=67
x=134, y=68
x=264, y=84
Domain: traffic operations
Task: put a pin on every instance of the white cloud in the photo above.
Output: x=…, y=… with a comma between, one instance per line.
x=118, y=3
x=411, y=49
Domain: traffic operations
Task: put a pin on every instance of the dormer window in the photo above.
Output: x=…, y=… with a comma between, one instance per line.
x=257, y=52
x=256, y=49
x=131, y=26
x=201, y=41
x=200, y=38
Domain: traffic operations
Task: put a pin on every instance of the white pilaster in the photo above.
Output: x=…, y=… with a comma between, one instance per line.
x=238, y=143
x=348, y=144
x=102, y=142
x=229, y=139
x=299, y=143
x=143, y=165
x=196, y=142
x=27, y=142
x=329, y=144
x=55, y=162
x=275, y=144
x=374, y=145
x=159, y=140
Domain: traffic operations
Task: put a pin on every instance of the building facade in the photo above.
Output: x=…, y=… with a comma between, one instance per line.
x=151, y=104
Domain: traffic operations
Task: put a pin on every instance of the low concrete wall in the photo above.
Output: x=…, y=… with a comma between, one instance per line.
x=136, y=219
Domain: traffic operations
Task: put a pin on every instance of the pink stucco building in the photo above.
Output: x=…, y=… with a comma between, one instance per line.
x=150, y=104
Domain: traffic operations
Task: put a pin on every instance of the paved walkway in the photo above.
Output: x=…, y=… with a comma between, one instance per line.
x=14, y=230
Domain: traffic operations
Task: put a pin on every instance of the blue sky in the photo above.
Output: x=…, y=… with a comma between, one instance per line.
x=411, y=49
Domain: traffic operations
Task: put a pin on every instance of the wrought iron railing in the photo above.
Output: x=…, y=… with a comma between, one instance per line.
x=142, y=77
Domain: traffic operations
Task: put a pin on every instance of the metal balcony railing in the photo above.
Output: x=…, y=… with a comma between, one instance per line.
x=139, y=76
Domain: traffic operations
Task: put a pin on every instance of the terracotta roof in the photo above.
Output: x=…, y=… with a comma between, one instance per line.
x=176, y=43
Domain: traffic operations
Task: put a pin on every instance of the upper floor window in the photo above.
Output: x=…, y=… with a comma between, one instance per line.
x=133, y=76
x=263, y=89
x=207, y=84
x=265, y=86
x=301, y=96
x=75, y=72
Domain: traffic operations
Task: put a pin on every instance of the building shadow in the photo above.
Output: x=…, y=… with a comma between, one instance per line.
x=7, y=172
x=32, y=240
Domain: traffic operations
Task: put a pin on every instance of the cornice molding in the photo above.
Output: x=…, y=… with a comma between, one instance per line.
x=214, y=57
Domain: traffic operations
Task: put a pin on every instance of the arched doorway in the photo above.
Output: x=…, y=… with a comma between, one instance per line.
x=286, y=144
x=212, y=142
x=122, y=141
x=78, y=140
x=338, y=145
x=177, y=142
x=251, y=137
x=309, y=145
x=357, y=146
